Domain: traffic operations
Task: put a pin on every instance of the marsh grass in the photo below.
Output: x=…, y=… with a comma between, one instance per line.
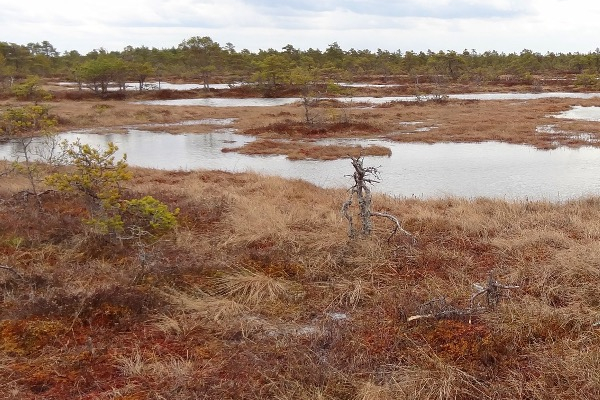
x=435, y=378
x=351, y=293
x=202, y=305
x=260, y=294
x=305, y=151
x=455, y=120
x=251, y=287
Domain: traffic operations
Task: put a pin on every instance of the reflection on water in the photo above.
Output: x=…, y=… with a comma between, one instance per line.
x=487, y=169
x=264, y=102
x=156, y=85
x=581, y=113
x=369, y=85
x=222, y=102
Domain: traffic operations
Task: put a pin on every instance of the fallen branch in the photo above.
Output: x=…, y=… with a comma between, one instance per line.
x=25, y=194
x=397, y=227
x=438, y=308
x=491, y=291
x=448, y=314
x=11, y=269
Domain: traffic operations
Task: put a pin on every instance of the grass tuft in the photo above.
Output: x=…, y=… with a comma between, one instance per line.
x=252, y=288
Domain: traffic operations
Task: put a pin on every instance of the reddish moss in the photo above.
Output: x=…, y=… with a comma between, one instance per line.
x=21, y=337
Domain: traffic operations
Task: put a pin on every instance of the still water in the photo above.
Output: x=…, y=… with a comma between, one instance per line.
x=266, y=102
x=488, y=169
x=156, y=85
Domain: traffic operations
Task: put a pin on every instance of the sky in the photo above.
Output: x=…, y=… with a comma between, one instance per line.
x=507, y=26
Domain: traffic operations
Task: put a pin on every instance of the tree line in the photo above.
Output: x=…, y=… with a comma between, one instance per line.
x=201, y=58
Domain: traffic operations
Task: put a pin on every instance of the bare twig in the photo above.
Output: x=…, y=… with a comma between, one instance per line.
x=346, y=213
x=491, y=291
x=397, y=225
x=438, y=308
x=11, y=269
x=454, y=313
x=7, y=171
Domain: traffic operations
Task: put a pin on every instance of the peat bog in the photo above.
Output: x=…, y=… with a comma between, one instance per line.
x=260, y=293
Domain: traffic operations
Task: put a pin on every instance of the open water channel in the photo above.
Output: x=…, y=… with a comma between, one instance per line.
x=266, y=102
x=488, y=169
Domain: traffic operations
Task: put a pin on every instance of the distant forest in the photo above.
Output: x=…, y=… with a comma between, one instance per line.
x=202, y=59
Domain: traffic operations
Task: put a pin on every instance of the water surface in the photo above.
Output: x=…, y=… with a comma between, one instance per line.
x=581, y=113
x=266, y=102
x=488, y=169
x=156, y=85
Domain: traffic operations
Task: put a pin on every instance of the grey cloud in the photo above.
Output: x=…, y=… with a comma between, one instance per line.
x=406, y=8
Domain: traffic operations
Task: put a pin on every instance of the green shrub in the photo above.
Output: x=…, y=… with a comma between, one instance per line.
x=586, y=80
x=150, y=215
x=26, y=121
x=100, y=178
x=31, y=90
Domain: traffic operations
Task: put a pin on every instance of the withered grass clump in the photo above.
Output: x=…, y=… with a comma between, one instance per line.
x=291, y=128
x=528, y=122
x=306, y=151
x=260, y=294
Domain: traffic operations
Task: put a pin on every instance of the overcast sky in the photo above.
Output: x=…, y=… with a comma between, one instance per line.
x=502, y=25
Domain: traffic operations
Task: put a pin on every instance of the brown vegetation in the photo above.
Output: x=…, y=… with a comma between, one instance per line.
x=520, y=122
x=298, y=150
x=260, y=294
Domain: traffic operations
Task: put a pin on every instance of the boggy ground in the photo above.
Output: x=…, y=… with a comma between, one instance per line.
x=513, y=121
x=259, y=293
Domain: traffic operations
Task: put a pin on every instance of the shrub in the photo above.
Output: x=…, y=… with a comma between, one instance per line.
x=100, y=178
x=25, y=121
x=150, y=215
x=31, y=90
x=96, y=175
x=586, y=80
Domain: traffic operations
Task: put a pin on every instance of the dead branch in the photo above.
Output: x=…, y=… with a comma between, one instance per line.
x=25, y=194
x=438, y=308
x=447, y=314
x=492, y=291
x=11, y=269
x=397, y=226
x=346, y=213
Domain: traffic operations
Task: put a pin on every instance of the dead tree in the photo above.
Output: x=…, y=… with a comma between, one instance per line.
x=491, y=291
x=439, y=309
x=363, y=177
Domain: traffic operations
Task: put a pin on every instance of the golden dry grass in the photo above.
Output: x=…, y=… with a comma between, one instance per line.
x=259, y=293
x=260, y=286
x=305, y=151
x=518, y=121
x=252, y=287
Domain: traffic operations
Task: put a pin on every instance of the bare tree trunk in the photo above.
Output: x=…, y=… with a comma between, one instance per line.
x=363, y=177
x=30, y=168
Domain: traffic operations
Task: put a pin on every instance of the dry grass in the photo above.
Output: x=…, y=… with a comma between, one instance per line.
x=456, y=120
x=252, y=287
x=260, y=294
x=440, y=380
x=204, y=306
x=352, y=293
x=304, y=151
